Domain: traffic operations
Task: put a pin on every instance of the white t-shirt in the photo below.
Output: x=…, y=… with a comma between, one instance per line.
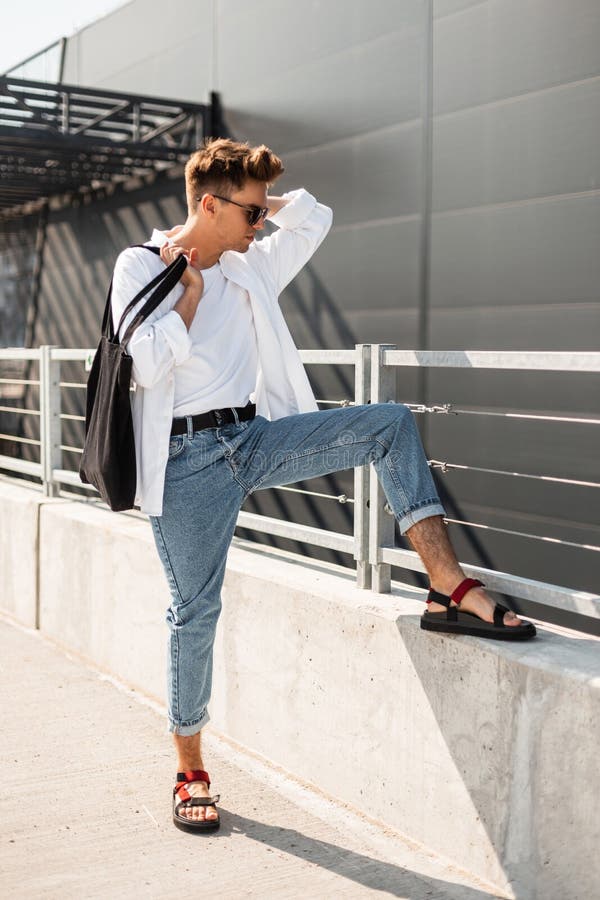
x=222, y=368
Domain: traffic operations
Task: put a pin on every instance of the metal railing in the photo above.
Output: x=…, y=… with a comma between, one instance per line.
x=372, y=543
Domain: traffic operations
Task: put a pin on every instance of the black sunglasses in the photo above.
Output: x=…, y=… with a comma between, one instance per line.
x=255, y=213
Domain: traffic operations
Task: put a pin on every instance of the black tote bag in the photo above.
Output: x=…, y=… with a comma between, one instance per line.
x=108, y=460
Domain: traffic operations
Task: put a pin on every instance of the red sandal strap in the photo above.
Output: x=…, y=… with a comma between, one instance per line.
x=459, y=592
x=183, y=779
x=194, y=775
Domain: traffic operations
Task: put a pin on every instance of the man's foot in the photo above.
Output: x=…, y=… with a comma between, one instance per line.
x=475, y=601
x=198, y=789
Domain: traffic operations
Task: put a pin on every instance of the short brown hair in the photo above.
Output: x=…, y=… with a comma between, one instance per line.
x=222, y=165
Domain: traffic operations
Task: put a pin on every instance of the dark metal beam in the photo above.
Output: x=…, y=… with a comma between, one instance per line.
x=57, y=138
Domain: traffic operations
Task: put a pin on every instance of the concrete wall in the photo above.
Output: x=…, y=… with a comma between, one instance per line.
x=19, y=523
x=483, y=752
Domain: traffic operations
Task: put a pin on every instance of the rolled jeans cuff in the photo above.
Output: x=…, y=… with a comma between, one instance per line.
x=424, y=511
x=187, y=730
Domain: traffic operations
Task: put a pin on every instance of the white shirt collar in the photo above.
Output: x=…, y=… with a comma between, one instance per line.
x=157, y=238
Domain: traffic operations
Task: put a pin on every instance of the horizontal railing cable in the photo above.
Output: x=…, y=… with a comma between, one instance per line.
x=18, y=381
x=341, y=498
x=423, y=408
x=523, y=534
x=446, y=466
x=337, y=402
x=19, y=440
x=578, y=420
x=448, y=408
x=18, y=409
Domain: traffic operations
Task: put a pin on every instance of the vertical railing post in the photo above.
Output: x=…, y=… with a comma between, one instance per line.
x=381, y=522
x=50, y=422
x=136, y=121
x=362, y=395
x=65, y=119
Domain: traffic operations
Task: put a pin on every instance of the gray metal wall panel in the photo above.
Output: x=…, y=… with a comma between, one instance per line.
x=367, y=177
x=518, y=255
x=532, y=146
x=322, y=98
x=292, y=33
x=373, y=268
x=147, y=48
x=504, y=48
x=574, y=327
x=372, y=325
x=443, y=8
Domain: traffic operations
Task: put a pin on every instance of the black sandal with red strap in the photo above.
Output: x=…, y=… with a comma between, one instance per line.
x=454, y=622
x=183, y=799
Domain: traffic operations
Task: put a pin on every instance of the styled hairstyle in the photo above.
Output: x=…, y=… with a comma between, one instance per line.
x=223, y=166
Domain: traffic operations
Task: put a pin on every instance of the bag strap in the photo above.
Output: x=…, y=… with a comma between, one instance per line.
x=162, y=284
x=107, y=326
x=155, y=281
x=168, y=278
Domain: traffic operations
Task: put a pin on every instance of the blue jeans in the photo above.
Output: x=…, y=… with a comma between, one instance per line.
x=209, y=475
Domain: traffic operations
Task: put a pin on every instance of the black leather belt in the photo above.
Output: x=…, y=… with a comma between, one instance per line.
x=214, y=418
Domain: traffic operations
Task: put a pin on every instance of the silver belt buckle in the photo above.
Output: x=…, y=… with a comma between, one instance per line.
x=218, y=417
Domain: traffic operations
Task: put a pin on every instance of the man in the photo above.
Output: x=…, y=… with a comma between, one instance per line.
x=223, y=407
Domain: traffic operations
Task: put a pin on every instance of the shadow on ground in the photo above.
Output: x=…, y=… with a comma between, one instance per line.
x=364, y=870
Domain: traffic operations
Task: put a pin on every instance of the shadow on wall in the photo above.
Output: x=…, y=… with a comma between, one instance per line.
x=17, y=264
x=316, y=308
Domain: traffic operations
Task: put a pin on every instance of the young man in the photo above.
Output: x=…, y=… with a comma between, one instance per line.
x=223, y=408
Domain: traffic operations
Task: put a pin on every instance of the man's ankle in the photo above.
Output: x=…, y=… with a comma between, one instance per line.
x=190, y=767
x=445, y=583
x=188, y=752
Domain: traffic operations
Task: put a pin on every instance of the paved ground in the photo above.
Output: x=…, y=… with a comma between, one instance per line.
x=85, y=808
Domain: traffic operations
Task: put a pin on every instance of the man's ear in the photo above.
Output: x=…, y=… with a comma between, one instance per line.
x=207, y=205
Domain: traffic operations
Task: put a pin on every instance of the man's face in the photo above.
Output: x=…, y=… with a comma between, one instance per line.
x=231, y=221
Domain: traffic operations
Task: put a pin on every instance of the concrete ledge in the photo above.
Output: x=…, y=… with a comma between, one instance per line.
x=103, y=592
x=484, y=752
x=19, y=513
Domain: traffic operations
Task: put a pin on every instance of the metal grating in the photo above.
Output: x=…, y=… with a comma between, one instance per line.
x=58, y=139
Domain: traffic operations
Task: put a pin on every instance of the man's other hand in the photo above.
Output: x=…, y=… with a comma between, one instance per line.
x=191, y=276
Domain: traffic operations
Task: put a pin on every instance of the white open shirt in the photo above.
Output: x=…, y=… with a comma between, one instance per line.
x=163, y=342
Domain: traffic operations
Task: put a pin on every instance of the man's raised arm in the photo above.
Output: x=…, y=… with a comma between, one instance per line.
x=302, y=224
